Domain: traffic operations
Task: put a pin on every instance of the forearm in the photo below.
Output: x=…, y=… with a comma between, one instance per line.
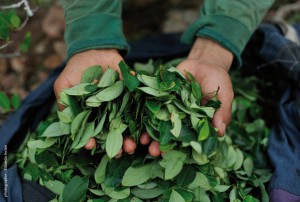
x=230, y=23
x=93, y=25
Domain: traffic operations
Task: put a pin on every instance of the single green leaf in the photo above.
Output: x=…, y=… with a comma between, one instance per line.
x=91, y=88
x=167, y=147
x=201, y=195
x=99, y=174
x=203, y=130
x=208, y=111
x=196, y=146
x=65, y=127
x=196, y=90
x=148, y=68
x=112, y=92
x=100, y=125
x=153, y=105
x=187, y=111
x=64, y=99
x=186, y=176
x=221, y=173
x=173, y=162
x=91, y=73
x=248, y=166
x=66, y=115
x=176, y=122
x=124, y=103
x=15, y=101
x=149, y=185
x=176, y=197
x=256, y=126
x=53, y=130
x=76, y=189
x=78, y=120
x=153, y=92
x=200, y=181
x=164, y=128
x=15, y=21
x=149, y=81
x=93, y=101
x=250, y=198
x=34, y=144
x=77, y=90
x=175, y=70
x=109, y=77
x=187, y=195
x=115, y=170
x=131, y=81
x=163, y=114
x=25, y=44
x=190, y=76
x=187, y=134
x=55, y=186
x=136, y=175
x=147, y=193
x=97, y=192
x=233, y=194
x=201, y=159
x=239, y=159
x=4, y=102
x=210, y=145
x=113, y=143
x=156, y=171
x=231, y=157
x=117, y=124
x=221, y=188
x=264, y=193
x=87, y=134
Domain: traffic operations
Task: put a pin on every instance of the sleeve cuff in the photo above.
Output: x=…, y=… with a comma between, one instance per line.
x=228, y=32
x=97, y=31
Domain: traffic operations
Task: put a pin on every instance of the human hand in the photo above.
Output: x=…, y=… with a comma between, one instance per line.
x=209, y=63
x=71, y=75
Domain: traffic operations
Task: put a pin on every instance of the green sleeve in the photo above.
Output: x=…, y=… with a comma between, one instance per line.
x=93, y=24
x=228, y=22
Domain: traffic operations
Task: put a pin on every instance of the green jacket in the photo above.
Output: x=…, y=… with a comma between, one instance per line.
x=97, y=24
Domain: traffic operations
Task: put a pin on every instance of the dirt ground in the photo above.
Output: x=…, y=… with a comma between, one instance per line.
x=22, y=74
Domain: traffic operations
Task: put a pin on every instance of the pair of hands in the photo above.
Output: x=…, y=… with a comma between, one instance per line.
x=208, y=62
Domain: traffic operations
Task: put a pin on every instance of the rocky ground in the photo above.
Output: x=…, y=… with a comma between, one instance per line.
x=23, y=73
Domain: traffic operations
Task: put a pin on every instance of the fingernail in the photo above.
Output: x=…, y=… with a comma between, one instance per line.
x=224, y=128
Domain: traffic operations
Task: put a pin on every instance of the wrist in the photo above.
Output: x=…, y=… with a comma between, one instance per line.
x=96, y=52
x=211, y=53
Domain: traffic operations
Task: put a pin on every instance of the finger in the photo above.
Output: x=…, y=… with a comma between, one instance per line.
x=154, y=149
x=222, y=117
x=119, y=154
x=145, y=138
x=90, y=144
x=58, y=87
x=129, y=145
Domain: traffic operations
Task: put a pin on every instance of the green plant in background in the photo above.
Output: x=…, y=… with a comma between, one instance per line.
x=197, y=164
x=11, y=21
x=8, y=105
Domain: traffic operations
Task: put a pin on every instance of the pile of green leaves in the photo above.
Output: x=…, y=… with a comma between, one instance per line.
x=196, y=164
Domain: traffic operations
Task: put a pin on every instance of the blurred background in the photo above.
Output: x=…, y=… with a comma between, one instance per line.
x=32, y=45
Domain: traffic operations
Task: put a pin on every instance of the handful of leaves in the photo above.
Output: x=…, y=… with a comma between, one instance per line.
x=196, y=164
